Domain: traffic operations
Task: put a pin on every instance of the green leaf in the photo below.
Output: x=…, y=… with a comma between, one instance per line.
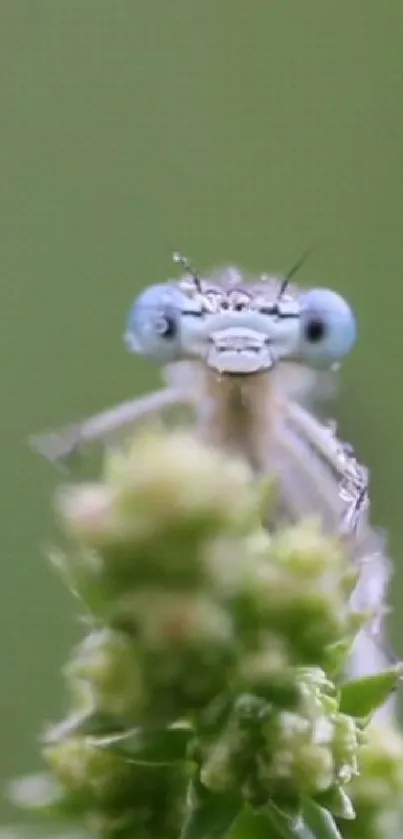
x=338, y=802
x=336, y=655
x=282, y=825
x=159, y=747
x=361, y=697
x=210, y=815
x=319, y=820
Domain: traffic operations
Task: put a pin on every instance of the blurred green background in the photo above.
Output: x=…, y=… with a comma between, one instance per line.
x=236, y=131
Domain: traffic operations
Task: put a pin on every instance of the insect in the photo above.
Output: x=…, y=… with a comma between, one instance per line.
x=246, y=356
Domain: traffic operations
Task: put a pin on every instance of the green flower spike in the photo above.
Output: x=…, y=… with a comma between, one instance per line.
x=208, y=696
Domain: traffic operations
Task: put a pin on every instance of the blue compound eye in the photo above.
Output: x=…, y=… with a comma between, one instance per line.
x=153, y=327
x=328, y=327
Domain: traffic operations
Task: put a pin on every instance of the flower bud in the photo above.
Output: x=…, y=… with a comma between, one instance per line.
x=107, y=665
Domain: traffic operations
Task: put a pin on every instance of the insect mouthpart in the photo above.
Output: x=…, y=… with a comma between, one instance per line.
x=239, y=351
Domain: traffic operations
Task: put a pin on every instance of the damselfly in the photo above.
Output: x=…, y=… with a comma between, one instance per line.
x=247, y=355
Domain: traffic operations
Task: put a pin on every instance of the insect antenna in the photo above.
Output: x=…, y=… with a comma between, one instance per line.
x=295, y=268
x=180, y=259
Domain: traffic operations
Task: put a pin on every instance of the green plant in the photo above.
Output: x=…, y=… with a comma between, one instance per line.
x=207, y=698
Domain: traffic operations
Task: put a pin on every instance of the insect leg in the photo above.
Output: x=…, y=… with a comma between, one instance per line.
x=321, y=473
x=62, y=443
